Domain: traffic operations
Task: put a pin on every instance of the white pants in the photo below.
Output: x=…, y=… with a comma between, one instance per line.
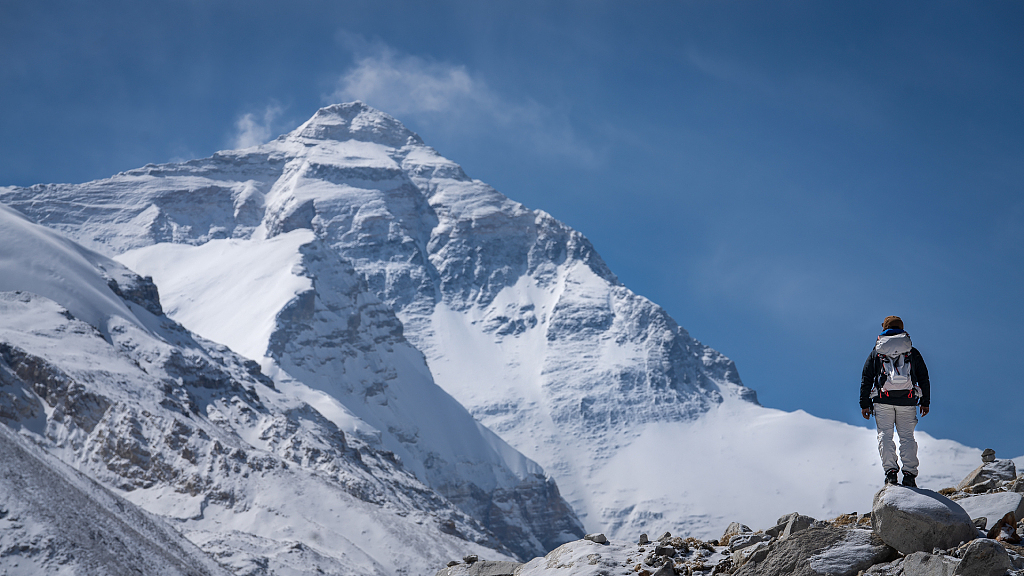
x=904, y=418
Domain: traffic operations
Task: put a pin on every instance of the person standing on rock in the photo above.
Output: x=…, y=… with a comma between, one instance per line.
x=893, y=383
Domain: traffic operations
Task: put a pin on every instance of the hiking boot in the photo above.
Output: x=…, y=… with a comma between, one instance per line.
x=891, y=478
x=908, y=480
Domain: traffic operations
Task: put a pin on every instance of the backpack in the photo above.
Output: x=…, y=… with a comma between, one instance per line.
x=894, y=355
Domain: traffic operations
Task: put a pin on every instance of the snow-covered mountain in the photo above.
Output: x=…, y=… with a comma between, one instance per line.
x=58, y=521
x=268, y=249
x=181, y=427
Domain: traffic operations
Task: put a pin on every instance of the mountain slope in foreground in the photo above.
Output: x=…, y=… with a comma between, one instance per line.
x=183, y=428
x=55, y=519
x=518, y=317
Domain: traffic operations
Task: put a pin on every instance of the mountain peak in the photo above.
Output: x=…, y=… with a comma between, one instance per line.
x=355, y=121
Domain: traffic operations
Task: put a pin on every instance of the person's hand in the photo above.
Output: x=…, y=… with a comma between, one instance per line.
x=924, y=410
x=866, y=413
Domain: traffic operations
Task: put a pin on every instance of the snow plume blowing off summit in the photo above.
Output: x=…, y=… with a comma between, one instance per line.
x=383, y=268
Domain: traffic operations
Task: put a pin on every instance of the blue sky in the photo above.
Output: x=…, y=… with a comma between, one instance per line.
x=778, y=175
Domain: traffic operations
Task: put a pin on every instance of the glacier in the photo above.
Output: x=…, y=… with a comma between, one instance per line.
x=349, y=246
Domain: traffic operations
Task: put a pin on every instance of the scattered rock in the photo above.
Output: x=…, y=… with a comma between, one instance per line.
x=918, y=520
x=1016, y=486
x=470, y=558
x=732, y=530
x=776, y=530
x=679, y=544
x=979, y=522
x=664, y=551
x=820, y=551
x=643, y=539
x=925, y=564
x=794, y=524
x=993, y=506
x=480, y=568
x=1005, y=530
x=756, y=553
x=596, y=538
x=667, y=569
x=452, y=563
x=741, y=541
x=664, y=537
x=997, y=470
x=989, y=455
x=983, y=557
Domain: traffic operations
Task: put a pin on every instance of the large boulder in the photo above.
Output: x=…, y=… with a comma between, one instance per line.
x=983, y=557
x=820, y=551
x=790, y=524
x=993, y=506
x=918, y=520
x=925, y=564
x=481, y=568
x=583, y=558
x=997, y=470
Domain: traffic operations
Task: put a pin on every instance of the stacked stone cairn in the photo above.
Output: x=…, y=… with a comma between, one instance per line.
x=973, y=529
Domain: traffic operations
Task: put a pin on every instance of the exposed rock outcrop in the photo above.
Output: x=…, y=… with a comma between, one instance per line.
x=822, y=551
x=918, y=520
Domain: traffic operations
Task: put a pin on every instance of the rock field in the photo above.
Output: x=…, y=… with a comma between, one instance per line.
x=909, y=532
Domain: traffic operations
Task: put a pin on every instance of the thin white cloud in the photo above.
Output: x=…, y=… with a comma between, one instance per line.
x=448, y=97
x=253, y=131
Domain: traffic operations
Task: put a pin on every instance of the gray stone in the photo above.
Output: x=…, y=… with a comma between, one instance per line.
x=756, y=553
x=667, y=569
x=1016, y=560
x=925, y=564
x=820, y=551
x=983, y=557
x=989, y=455
x=998, y=470
x=470, y=558
x=452, y=562
x=665, y=537
x=481, y=568
x=796, y=523
x=741, y=541
x=1017, y=486
x=894, y=568
x=785, y=519
x=733, y=529
x=596, y=538
x=918, y=520
x=979, y=522
x=993, y=506
x=776, y=530
x=664, y=551
x=643, y=539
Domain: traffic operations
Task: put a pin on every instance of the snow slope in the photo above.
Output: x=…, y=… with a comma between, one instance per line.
x=517, y=316
x=186, y=429
x=325, y=339
x=745, y=463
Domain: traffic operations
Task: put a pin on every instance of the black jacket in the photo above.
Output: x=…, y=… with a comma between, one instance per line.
x=873, y=376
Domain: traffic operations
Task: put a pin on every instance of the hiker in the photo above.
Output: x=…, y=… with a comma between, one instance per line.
x=894, y=381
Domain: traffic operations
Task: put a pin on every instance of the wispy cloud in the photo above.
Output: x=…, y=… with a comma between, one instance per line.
x=449, y=97
x=253, y=130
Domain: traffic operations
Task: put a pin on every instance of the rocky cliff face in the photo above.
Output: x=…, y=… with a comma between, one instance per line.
x=57, y=520
x=518, y=317
x=188, y=430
